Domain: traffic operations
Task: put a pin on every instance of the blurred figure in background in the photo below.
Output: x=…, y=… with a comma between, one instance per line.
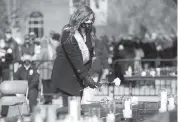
x=29, y=73
x=100, y=65
x=2, y=56
x=45, y=62
x=118, y=66
x=139, y=54
x=28, y=46
x=12, y=55
x=32, y=37
x=149, y=49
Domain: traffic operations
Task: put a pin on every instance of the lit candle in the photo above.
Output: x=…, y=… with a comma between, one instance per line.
x=110, y=117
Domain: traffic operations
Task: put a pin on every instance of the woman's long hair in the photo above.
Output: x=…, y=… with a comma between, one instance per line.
x=80, y=16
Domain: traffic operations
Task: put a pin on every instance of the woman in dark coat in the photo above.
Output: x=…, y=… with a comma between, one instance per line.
x=70, y=73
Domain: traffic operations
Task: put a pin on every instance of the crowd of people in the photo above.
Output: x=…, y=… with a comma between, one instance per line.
x=27, y=61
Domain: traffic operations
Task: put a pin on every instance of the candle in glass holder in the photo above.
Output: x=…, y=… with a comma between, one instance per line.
x=127, y=104
x=127, y=112
x=164, y=96
x=38, y=118
x=163, y=102
x=74, y=108
x=110, y=117
x=51, y=114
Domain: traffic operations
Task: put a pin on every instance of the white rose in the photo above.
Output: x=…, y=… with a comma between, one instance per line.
x=31, y=72
x=9, y=50
x=158, y=48
x=152, y=73
x=134, y=100
x=121, y=47
x=111, y=48
x=117, y=81
x=143, y=73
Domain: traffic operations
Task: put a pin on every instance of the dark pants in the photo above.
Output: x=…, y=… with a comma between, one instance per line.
x=46, y=90
x=65, y=96
x=5, y=76
x=4, y=111
x=32, y=96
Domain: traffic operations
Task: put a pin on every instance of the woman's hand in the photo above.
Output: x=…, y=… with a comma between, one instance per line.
x=88, y=81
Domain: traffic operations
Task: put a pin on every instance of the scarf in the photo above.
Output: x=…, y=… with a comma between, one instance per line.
x=83, y=47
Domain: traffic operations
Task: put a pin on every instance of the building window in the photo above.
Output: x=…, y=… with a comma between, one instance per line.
x=35, y=23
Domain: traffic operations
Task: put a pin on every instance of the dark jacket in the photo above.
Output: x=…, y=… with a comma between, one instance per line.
x=101, y=54
x=30, y=75
x=28, y=49
x=12, y=44
x=64, y=77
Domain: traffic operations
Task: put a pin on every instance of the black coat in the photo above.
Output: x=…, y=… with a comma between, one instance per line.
x=31, y=75
x=64, y=77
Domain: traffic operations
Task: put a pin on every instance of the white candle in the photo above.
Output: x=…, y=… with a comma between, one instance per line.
x=171, y=105
x=127, y=113
x=110, y=118
x=164, y=96
x=51, y=114
x=38, y=118
x=95, y=119
x=127, y=105
x=74, y=109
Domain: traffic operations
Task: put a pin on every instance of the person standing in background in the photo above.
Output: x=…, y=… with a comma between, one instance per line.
x=28, y=46
x=100, y=66
x=29, y=73
x=45, y=64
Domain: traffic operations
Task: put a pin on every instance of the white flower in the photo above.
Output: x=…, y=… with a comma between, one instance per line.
x=117, y=81
x=31, y=72
x=38, y=71
x=158, y=48
x=9, y=50
x=3, y=59
x=152, y=73
x=134, y=100
x=111, y=48
x=121, y=47
x=143, y=73
x=110, y=60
